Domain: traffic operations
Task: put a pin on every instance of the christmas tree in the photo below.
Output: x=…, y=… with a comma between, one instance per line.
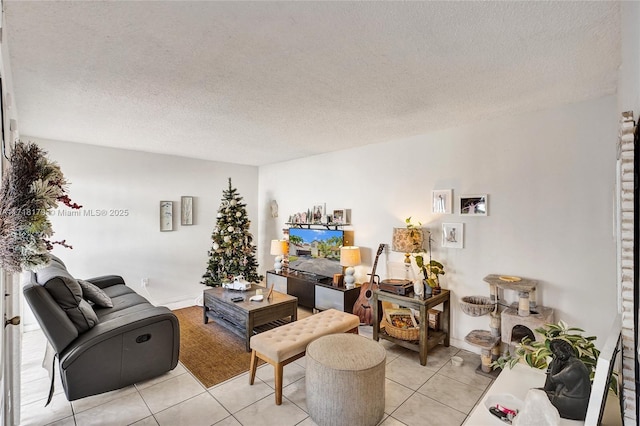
x=232, y=253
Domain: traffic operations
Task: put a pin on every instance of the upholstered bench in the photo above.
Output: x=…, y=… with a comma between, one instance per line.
x=285, y=344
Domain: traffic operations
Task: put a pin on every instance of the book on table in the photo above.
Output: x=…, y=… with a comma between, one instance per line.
x=401, y=318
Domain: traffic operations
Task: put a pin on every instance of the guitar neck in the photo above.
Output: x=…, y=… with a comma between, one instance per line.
x=375, y=264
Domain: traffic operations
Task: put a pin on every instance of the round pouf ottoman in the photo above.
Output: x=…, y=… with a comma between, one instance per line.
x=345, y=380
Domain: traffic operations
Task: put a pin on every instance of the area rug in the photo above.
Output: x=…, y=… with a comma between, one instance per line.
x=209, y=351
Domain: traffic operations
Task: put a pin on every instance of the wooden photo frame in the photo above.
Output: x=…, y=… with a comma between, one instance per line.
x=441, y=201
x=186, y=211
x=166, y=216
x=453, y=235
x=474, y=205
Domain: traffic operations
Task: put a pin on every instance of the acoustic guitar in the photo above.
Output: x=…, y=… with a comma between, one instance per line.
x=362, y=307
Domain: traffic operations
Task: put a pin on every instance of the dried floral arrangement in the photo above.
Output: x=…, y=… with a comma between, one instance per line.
x=31, y=186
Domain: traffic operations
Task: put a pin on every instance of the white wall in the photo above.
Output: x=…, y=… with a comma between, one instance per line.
x=550, y=180
x=133, y=246
x=629, y=73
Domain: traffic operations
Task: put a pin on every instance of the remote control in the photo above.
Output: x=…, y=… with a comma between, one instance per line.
x=237, y=299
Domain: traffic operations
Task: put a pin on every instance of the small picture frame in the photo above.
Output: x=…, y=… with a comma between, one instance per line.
x=441, y=201
x=474, y=205
x=166, y=216
x=317, y=214
x=341, y=217
x=186, y=211
x=453, y=235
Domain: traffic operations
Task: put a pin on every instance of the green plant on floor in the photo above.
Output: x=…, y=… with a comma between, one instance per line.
x=538, y=353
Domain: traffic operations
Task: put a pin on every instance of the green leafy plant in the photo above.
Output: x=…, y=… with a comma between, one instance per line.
x=537, y=353
x=432, y=269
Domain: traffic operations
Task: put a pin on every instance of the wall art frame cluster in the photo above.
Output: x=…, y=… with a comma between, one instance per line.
x=186, y=213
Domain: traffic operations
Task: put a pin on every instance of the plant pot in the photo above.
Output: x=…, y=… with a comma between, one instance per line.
x=427, y=289
x=436, y=290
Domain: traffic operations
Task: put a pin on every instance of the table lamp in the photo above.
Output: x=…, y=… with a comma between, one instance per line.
x=407, y=241
x=349, y=257
x=279, y=248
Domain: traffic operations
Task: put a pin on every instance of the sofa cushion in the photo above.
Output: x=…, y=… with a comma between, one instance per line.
x=95, y=294
x=123, y=305
x=118, y=290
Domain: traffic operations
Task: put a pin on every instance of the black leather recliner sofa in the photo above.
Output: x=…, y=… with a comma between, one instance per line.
x=101, y=348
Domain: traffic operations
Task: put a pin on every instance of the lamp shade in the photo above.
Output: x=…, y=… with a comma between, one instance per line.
x=279, y=247
x=407, y=240
x=350, y=256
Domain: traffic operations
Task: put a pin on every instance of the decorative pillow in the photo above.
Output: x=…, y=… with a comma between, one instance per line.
x=95, y=294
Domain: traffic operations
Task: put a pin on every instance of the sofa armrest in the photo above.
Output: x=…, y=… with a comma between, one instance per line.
x=118, y=326
x=106, y=280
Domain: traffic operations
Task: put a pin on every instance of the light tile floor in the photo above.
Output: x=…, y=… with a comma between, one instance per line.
x=436, y=394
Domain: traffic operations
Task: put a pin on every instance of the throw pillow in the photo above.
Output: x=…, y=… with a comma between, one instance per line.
x=95, y=294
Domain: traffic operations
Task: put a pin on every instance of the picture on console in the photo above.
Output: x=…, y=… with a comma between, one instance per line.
x=316, y=251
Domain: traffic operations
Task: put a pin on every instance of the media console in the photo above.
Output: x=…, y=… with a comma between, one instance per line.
x=313, y=291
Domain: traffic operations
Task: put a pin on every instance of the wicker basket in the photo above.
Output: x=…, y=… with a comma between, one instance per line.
x=400, y=333
x=476, y=306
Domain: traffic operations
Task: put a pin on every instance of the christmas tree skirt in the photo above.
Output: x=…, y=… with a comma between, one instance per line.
x=209, y=351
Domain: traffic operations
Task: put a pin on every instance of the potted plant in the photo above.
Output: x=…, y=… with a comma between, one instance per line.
x=431, y=270
x=538, y=354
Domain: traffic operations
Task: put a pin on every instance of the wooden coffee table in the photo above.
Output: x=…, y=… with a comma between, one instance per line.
x=247, y=318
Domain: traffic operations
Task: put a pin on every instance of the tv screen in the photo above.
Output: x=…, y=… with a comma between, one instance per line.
x=315, y=251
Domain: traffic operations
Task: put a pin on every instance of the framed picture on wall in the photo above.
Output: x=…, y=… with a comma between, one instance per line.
x=166, y=216
x=474, y=205
x=186, y=211
x=441, y=201
x=453, y=235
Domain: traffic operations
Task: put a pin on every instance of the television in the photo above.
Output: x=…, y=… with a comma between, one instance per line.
x=315, y=251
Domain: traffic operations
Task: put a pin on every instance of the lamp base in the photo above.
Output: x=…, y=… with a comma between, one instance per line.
x=278, y=264
x=349, y=279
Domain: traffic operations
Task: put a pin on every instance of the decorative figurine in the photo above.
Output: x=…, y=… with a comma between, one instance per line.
x=568, y=385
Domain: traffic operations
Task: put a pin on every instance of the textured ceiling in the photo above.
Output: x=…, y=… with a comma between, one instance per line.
x=261, y=82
